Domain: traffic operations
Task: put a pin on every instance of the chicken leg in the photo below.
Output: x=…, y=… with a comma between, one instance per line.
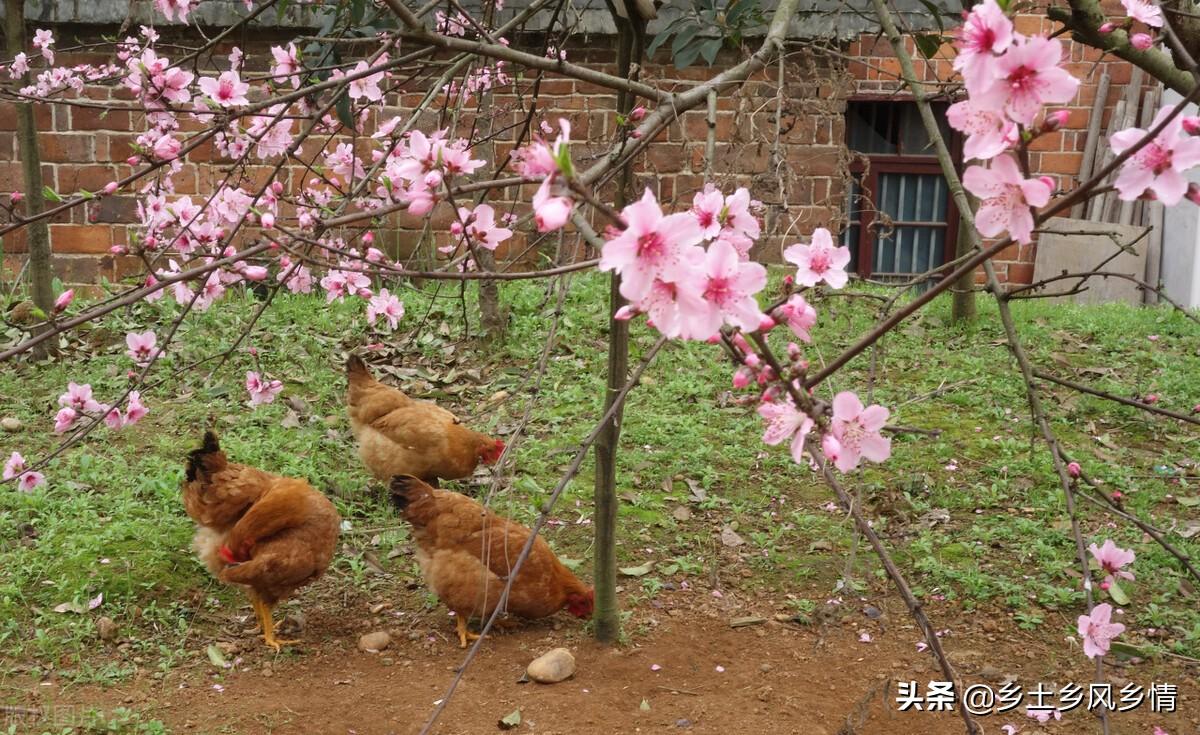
x=464, y=635
x=266, y=621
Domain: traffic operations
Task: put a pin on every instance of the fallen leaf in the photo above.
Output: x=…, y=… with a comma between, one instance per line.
x=730, y=537
x=291, y=420
x=1117, y=594
x=644, y=706
x=682, y=514
x=1188, y=502
x=699, y=494
x=217, y=657
x=1191, y=529
x=511, y=720
x=69, y=607
x=821, y=545
x=638, y=571
x=96, y=601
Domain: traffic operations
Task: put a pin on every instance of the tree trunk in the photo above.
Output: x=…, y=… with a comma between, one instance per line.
x=492, y=315
x=963, y=307
x=41, y=271
x=607, y=613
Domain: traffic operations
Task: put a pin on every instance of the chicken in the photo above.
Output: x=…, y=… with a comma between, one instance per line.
x=398, y=435
x=466, y=553
x=266, y=533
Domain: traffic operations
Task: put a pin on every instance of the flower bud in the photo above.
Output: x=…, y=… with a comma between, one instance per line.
x=1073, y=469
x=368, y=238
x=1106, y=585
x=637, y=114
x=793, y=351
x=110, y=187
x=1117, y=495
x=277, y=187
x=1141, y=41
x=64, y=300
x=752, y=360
x=16, y=197
x=1056, y=120
x=1108, y=27
x=1152, y=398
x=268, y=220
x=1191, y=125
x=766, y=325
x=742, y=377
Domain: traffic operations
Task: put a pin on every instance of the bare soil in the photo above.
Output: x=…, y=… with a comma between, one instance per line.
x=778, y=677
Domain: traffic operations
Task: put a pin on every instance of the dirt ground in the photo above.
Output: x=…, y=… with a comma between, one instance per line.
x=776, y=677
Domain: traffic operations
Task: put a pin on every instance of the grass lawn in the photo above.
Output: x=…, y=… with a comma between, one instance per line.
x=974, y=515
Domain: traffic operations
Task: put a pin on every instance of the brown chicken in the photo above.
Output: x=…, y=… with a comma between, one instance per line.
x=398, y=435
x=466, y=553
x=269, y=534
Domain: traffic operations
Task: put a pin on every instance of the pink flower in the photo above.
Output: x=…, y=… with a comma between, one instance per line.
x=1159, y=731
x=254, y=273
x=1151, y=398
x=79, y=397
x=367, y=87
x=261, y=391
x=542, y=159
x=1141, y=41
x=1160, y=165
x=482, y=226
x=784, y=422
x=173, y=9
x=1043, y=715
x=857, y=432
x=1073, y=469
x=386, y=305
x=707, y=205
x=16, y=197
x=637, y=114
x=988, y=133
x=113, y=419
x=167, y=148
x=985, y=32
x=800, y=316
x=1111, y=558
x=1098, y=630
x=135, y=410
x=64, y=300
x=43, y=41
x=820, y=261
x=728, y=291
x=550, y=212
x=141, y=346
x=651, y=246
x=227, y=90
x=65, y=419
x=287, y=64
x=1007, y=197
x=1144, y=11
x=28, y=479
x=1028, y=76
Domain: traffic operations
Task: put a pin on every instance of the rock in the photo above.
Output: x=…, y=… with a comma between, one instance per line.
x=552, y=667
x=765, y=668
x=683, y=723
x=991, y=673
x=9, y=424
x=374, y=642
x=106, y=629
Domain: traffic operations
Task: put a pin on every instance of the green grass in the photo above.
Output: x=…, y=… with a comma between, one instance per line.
x=110, y=521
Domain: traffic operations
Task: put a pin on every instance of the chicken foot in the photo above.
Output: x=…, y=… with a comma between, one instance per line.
x=266, y=621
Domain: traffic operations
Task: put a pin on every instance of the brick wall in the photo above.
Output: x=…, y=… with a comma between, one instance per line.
x=789, y=149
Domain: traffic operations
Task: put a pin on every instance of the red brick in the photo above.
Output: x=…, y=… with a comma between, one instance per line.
x=91, y=118
x=1021, y=273
x=72, y=179
x=94, y=239
x=67, y=148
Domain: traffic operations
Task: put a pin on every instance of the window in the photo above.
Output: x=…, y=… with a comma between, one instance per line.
x=902, y=221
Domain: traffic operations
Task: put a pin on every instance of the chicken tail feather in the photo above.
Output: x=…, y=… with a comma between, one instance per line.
x=406, y=489
x=206, y=460
x=356, y=366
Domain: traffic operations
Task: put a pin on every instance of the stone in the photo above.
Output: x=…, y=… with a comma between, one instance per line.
x=106, y=629
x=9, y=424
x=552, y=667
x=374, y=642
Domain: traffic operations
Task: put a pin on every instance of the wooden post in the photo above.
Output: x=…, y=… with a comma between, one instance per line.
x=41, y=270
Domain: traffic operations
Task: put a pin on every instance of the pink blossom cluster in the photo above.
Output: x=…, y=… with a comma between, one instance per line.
x=1010, y=78
x=78, y=402
x=551, y=163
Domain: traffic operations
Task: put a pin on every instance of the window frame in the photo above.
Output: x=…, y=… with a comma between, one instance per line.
x=872, y=165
